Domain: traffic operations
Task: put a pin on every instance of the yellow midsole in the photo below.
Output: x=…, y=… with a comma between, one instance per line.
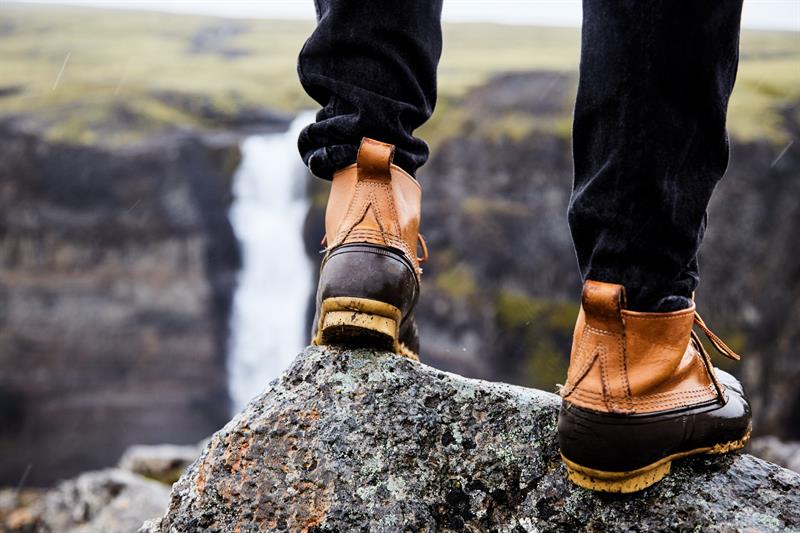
x=363, y=313
x=641, y=478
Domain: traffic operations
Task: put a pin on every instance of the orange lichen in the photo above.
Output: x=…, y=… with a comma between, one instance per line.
x=311, y=414
x=235, y=456
x=200, y=480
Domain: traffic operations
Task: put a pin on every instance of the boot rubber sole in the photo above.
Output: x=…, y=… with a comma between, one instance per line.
x=361, y=322
x=641, y=478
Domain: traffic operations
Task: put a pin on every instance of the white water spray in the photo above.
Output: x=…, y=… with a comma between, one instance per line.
x=268, y=326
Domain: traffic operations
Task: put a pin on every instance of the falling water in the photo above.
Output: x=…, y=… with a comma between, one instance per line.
x=268, y=321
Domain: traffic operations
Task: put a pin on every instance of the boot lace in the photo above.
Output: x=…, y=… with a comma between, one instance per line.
x=718, y=343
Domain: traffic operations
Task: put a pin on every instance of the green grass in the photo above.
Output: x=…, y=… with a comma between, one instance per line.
x=474, y=52
x=123, y=59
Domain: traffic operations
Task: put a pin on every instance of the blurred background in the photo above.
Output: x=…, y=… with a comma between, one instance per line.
x=159, y=236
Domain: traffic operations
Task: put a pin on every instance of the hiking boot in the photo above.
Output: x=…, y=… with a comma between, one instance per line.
x=641, y=392
x=369, y=279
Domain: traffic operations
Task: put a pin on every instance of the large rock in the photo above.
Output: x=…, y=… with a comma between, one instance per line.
x=365, y=441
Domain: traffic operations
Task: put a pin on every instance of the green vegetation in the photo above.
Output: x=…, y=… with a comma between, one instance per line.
x=118, y=64
x=541, y=329
x=768, y=80
x=736, y=341
x=457, y=282
x=480, y=206
x=474, y=52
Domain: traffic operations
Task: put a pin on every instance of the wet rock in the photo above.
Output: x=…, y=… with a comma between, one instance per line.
x=365, y=441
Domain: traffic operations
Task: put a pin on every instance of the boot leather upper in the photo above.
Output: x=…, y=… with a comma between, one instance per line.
x=374, y=201
x=632, y=362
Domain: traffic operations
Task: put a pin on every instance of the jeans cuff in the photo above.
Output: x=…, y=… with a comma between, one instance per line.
x=323, y=162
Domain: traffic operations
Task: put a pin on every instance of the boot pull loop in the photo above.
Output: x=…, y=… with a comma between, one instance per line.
x=718, y=343
x=603, y=304
x=424, y=248
x=374, y=159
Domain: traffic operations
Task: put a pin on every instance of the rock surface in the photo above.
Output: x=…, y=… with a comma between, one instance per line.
x=365, y=441
x=107, y=501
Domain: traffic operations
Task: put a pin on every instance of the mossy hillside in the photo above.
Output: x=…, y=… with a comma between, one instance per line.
x=767, y=86
x=117, y=64
x=457, y=282
x=533, y=333
x=540, y=331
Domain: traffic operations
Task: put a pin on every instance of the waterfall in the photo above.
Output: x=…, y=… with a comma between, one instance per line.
x=268, y=322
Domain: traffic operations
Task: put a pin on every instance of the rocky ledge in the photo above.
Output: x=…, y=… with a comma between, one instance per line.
x=365, y=441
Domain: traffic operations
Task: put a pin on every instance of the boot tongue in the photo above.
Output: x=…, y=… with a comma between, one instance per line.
x=603, y=304
x=374, y=159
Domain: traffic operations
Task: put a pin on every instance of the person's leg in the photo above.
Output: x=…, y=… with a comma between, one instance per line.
x=649, y=147
x=372, y=66
x=649, y=141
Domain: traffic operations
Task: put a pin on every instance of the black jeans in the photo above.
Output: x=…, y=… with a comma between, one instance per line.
x=649, y=139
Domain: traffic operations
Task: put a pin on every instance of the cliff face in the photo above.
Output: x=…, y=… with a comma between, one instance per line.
x=116, y=272
x=365, y=441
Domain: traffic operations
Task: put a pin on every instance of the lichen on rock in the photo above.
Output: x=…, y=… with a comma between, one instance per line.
x=357, y=440
x=108, y=501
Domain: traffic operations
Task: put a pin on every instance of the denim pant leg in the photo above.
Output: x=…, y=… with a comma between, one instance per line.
x=649, y=140
x=371, y=65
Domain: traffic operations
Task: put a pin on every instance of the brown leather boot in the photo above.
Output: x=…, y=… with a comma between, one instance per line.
x=369, y=280
x=641, y=392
